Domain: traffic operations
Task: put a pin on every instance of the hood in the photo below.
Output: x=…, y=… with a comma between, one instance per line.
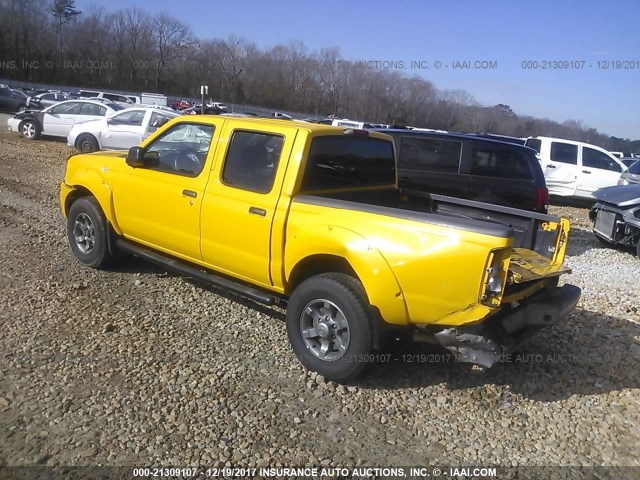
x=631, y=177
x=620, y=195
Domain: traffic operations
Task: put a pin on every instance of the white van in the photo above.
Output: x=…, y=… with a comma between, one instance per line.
x=575, y=169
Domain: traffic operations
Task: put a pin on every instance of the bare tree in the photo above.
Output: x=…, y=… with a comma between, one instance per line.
x=171, y=38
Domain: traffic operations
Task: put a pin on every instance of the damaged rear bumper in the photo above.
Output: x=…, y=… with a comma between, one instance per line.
x=501, y=334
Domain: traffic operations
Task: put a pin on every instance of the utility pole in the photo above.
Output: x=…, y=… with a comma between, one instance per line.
x=204, y=90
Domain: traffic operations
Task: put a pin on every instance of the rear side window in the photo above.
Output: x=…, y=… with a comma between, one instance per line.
x=635, y=168
x=347, y=162
x=252, y=161
x=534, y=143
x=430, y=154
x=564, y=153
x=92, y=109
x=500, y=161
x=133, y=118
x=595, y=159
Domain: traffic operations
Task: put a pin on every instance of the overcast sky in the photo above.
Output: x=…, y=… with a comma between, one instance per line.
x=591, y=34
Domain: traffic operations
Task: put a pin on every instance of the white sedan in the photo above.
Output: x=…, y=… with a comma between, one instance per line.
x=58, y=119
x=119, y=131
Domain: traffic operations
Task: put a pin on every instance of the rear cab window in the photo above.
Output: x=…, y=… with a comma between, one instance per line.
x=346, y=161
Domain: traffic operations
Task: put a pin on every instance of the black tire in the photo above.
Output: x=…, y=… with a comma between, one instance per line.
x=87, y=143
x=319, y=295
x=29, y=129
x=87, y=233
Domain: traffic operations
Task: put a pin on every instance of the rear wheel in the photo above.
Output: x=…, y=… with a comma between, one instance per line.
x=29, y=129
x=329, y=326
x=87, y=233
x=87, y=143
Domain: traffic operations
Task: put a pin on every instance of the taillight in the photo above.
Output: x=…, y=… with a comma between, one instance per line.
x=356, y=131
x=543, y=198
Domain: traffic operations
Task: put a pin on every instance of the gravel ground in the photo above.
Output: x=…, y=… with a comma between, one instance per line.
x=137, y=366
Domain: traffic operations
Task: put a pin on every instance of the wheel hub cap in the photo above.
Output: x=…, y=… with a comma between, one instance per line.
x=84, y=233
x=325, y=330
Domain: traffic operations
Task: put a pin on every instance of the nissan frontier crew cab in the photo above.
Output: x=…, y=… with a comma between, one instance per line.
x=309, y=217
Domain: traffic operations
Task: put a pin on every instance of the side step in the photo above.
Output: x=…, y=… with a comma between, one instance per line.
x=189, y=271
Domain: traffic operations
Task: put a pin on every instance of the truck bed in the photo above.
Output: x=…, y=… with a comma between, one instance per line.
x=530, y=230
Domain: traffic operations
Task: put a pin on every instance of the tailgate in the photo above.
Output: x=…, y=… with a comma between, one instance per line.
x=526, y=265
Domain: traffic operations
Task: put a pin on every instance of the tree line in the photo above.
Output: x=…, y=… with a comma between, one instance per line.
x=133, y=50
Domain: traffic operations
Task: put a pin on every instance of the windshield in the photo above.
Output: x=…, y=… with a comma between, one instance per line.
x=635, y=168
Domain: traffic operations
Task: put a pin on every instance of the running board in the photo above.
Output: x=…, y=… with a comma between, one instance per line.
x=208, y=278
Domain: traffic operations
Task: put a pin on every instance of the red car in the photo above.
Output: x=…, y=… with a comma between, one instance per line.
x=181, y=105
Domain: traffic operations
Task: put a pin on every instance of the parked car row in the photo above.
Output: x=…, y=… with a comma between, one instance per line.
x=12, y=100
x=58, y=119
x=121, y=130
x=213, y=107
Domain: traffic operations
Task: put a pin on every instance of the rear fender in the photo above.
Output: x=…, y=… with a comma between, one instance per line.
x=381, y=286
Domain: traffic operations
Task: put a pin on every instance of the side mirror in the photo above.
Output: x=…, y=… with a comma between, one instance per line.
x=136, y=157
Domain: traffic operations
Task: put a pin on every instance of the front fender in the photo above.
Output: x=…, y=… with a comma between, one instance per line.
x=87, y=181
x=381, y=286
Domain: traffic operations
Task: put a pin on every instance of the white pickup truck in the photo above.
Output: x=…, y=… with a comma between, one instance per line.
x=575, y=169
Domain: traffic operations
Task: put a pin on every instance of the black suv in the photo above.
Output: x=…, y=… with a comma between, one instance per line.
x=470, y=166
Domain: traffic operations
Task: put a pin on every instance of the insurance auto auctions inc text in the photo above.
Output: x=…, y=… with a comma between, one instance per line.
x=364, y=472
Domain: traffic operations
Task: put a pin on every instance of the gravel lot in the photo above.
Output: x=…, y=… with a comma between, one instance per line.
x=137, y=366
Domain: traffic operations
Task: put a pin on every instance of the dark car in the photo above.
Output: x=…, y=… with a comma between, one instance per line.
x=631, y=175
x=628, y=161
x=616, y=216
x=10, y=101
x=472, y=167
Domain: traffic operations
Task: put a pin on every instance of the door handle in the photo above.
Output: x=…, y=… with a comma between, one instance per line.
x=257, y=211
x=189, y=193
x=551, y=166
x=586, y=171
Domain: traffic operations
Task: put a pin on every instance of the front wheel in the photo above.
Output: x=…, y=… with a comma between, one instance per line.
x=87, y=233
x=329, y=326
x=29, y=129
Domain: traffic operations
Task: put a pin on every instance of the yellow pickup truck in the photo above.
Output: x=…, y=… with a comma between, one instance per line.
x=309, y=217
